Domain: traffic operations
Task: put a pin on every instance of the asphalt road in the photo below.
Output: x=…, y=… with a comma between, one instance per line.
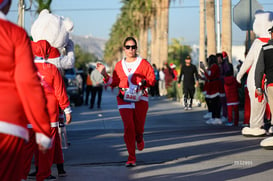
x=178, y=146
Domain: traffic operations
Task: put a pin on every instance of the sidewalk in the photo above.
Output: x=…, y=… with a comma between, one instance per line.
x=178, y=146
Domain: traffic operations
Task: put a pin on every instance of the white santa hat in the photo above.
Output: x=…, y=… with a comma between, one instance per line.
x=3, y=3
x=172, y=65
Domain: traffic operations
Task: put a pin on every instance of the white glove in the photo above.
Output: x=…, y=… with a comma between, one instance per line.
x=238, y=78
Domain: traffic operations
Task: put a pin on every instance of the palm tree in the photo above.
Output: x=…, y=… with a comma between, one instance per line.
x=164, y=31
x=210, y=20
x=43, y=4
x=202, y=56
x=226, y=27
x=141, y=14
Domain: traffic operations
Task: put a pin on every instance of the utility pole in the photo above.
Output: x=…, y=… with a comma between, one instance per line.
x=218, y=26
x=202, y=56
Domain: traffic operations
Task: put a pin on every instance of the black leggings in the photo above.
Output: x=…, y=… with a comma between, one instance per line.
x=214, y=106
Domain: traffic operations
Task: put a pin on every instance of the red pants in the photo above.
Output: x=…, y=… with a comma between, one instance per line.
x=267, y=112
x=58, y=154
x=45, y=160
x=11, y=157
x=230, y=109
x=247, y=107
x=133, y=121
x=30, y=148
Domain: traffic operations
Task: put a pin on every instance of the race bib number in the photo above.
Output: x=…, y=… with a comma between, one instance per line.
x=131, y=97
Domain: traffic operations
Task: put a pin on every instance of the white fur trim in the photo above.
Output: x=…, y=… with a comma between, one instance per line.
x=232, y=103
x=14, y=130
x=134, y=68
x=144, y=98
x=43, y=140
x=68, y=110
x=55, y=61
x=212, y=95
x=54, y=124
x=127, y=106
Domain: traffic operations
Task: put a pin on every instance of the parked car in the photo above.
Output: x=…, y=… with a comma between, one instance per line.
x=73, y=87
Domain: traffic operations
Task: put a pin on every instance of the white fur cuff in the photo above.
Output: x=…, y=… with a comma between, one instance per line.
x=68, y=110
x=43, y=140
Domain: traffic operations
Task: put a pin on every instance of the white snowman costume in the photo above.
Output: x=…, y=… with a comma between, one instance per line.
x=263, y=21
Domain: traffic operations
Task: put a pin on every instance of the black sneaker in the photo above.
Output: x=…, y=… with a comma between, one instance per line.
x=50, y=177
x=32, y=175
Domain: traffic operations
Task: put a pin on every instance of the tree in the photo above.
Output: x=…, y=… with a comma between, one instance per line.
x=43, y=4
x=226, y=28
x=178, y=52
x=83, y=58
x=202, y=55
x=210, y=20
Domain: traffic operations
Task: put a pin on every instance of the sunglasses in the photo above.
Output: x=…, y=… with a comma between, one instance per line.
x=128, y=47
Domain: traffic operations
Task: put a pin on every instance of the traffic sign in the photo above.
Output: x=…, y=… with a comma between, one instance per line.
x=243, y=13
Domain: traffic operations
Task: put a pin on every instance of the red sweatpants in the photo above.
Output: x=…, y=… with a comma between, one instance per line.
x=30, y=148
x=45, y=160
x=58, y=154
x=230, y=109
x=247, y=107
x=133, y=122
x=11, y=157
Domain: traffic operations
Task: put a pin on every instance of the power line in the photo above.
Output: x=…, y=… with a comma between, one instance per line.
x=115, y=9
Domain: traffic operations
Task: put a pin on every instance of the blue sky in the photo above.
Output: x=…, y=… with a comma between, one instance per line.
x=96, y=17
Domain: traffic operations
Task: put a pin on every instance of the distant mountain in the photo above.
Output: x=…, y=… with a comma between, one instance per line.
x=90, y=44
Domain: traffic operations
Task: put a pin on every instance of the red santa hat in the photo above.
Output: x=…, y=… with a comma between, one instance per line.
x=41, y=48
x=54, y=53
x=172, y=65
x=224, y=54
x=3, y=3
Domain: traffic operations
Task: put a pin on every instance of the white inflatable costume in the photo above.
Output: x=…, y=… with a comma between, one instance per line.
x=55, y=29
x=263, y=21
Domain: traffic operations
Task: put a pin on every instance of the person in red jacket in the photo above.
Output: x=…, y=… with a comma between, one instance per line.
x=232, y=95
x=132, y=75
x=23, y=100
x=56, y=95
x=213, y=89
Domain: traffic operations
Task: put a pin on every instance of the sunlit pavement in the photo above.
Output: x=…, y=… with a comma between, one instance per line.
x=178, y=146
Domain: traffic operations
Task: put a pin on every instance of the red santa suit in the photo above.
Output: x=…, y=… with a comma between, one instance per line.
x=22, y=101
x=133, y=114
x=56, y=95
x=214, y=89
x=232, y=96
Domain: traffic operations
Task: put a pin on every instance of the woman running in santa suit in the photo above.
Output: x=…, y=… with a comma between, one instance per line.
x=132, y=75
